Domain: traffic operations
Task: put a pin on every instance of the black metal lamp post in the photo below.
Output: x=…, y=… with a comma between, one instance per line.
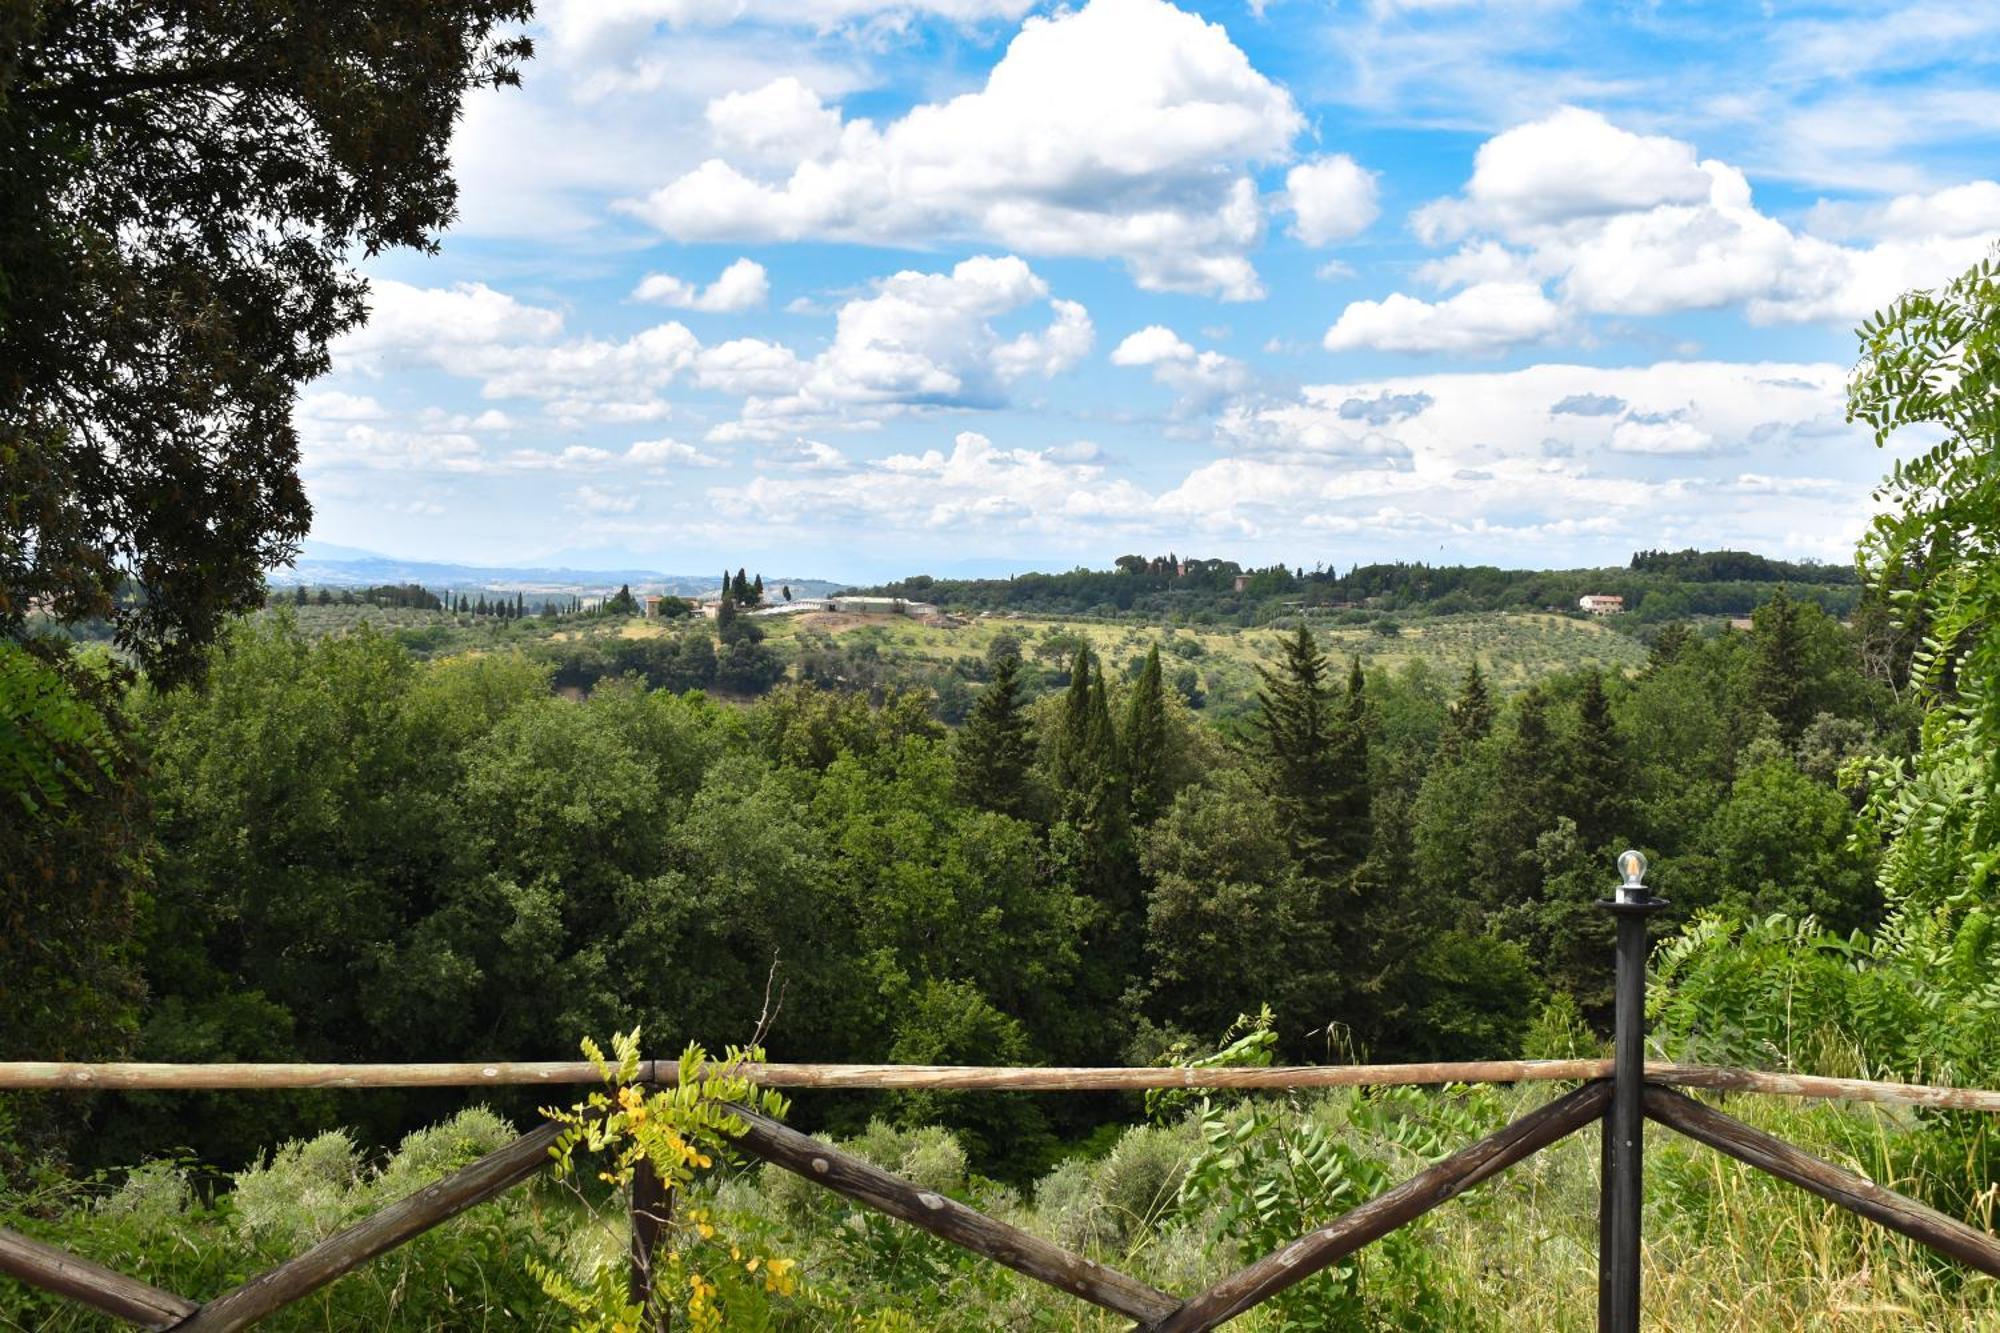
x=1624, y=1124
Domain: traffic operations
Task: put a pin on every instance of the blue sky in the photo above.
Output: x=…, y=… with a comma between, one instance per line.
x=857, y=288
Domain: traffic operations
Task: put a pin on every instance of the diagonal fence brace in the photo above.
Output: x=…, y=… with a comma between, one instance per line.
x=89, y=1283
x=1766, y=1152
x=1370, y=1221
x=950, y=1220
x=402, y=1221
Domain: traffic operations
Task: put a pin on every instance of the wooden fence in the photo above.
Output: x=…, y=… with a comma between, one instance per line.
x=1149, y=1309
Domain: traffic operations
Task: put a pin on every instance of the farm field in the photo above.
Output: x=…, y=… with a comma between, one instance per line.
x=1514, y=650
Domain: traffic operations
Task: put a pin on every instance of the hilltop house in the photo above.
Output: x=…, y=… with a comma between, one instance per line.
x=1599, y=604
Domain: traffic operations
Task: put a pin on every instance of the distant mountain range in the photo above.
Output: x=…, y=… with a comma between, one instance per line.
x=322, y=564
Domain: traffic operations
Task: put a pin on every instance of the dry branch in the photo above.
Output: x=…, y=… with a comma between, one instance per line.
x=90, y=1283
x=947, y=1218
x=1386, y=1212
x=1731, y=1136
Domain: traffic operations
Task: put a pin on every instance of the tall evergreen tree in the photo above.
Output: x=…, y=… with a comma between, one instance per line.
x=1778, y=671
x=1672, y=640
x=1145, y=743
x=739, y=587
x=1599, y=786
x=994, y=748
x=1296, y=725
x=1350, y=797
x=1523, y=804
x=1470, y=718
x=757, y=590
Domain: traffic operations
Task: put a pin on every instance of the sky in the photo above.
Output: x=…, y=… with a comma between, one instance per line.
x=864, y=288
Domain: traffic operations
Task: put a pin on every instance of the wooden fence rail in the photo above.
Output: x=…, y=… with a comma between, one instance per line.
x=1153, y=1311
x=124, y=1076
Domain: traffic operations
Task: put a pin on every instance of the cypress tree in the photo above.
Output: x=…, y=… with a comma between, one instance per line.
x=757, y=590
x=1145, y=743
x=994, y=748
x=740, y=588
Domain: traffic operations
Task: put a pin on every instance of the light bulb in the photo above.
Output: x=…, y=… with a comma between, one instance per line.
x=1632, y=867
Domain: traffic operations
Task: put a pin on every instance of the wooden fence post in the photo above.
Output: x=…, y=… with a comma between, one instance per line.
x=652, y=1212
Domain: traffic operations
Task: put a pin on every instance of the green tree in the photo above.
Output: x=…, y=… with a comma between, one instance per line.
x=994, y=749
x=1933, y=359
x=1470, y=718
x=621, y=603
x=1778, y=672
x=1598, y=777
x=1146, y=742
x=1350, y=798
x=1296, y=728
x=184, y=193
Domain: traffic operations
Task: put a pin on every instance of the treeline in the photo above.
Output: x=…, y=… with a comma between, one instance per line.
x=1657, y=587
x=364, y=856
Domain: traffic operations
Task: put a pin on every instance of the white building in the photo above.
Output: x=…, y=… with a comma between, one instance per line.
x=1600, y=604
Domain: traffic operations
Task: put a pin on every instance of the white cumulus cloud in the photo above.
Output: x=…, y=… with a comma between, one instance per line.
x=1331, y=198
x=1486, y=317
x=1125, y=129
x=742, y=286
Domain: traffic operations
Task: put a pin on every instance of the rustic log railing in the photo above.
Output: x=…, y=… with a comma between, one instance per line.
x=1618, y=1094
x=148, y=1307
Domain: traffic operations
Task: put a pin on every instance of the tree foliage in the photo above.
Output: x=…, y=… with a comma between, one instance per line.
x=183, y=192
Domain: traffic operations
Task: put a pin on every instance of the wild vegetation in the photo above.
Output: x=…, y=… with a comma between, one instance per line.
x=290, y=835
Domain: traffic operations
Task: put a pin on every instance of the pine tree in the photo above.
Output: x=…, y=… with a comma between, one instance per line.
x=1295, y=725
x=1598, y=796
x=1145, y=743
x=1668, y=645
x=1521, y=806
x=299, y=595
x=757, y=590
x=1777, y=674
x=1351, y=794
x=740, y=587
x=1470, y=718
x=994, y=748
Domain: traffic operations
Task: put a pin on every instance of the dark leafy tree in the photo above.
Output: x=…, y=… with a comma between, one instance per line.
x=622, y=603
x=184, y=190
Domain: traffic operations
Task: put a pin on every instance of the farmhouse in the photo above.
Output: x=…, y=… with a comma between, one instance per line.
x=880, y=606
x=1599, y=604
